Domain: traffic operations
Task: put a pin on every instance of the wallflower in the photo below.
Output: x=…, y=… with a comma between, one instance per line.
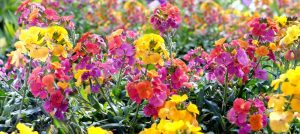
x=241, y=106
x=164, y=17
x=279, y=121
x=256, y=122
x=177, y=98
x=281, y=20
x=97, y=130
x=262, y=51
x=193, y=108
x=23, y=129
x=144, y=89
x=150, y=48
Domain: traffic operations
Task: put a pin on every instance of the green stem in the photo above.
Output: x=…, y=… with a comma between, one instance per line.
x=105, y=97
x=135, y=117
x=225, y=91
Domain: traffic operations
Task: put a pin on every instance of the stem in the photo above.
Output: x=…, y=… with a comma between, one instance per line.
x=24, y=92
x=250, y=76
x=225, y=91
x=104, y=96
x=135, y=117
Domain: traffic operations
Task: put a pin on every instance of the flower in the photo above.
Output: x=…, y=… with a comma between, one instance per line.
x=242, y=57
x=193, y=108
x=262, y=51
x=97, y=130
x=281, y=20
x=178, y=99
x=241, y=106
x=256, y=122
x=51, y=14
x=144, y=89
x=132, y=92
x=279, y=121
x=165, y=17
x=23, y=129
x=150, y=48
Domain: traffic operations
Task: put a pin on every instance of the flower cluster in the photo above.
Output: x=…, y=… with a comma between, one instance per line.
x=150, y=48
x=176, y=116
x=166, y=16
x=285, y=103
x=33, y=14
x=97, y=130
x=38, y=42
x=248, y=115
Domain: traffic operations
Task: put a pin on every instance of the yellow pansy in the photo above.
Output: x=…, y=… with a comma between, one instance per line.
x=33, y=35
x=23, y=129
x=150, y=48
x=177, y=98
x=295, y=103
x=281, y=20
x=277, y=102
x=97, y=130
x=39, y=53
x=279, y=121
x=193, y=108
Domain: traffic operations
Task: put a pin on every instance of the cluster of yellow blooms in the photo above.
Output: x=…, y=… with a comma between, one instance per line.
x=176, y=117
x=150, y=48
x=286, y=104
x=23, y=129
x=38, y=42
x=97, y=130
x=292, y=34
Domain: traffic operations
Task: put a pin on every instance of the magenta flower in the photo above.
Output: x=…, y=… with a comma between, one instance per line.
x=261, y=74
x=242, y=57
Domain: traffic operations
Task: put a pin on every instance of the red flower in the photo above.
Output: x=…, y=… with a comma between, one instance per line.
x=48, y=81
x=144, y=89
x=132, y=92
x=92, y=48
x=56, y=98
x=241, y=106
x=51, y=14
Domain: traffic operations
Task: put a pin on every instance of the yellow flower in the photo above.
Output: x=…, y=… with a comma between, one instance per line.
x=63, y=85
x=23, y=129
x=33, y=35
x=279, y=121
x=39, y=53
x=193, y=108
x=151, y=130
x=2, y=132
x=277, y=102
x=78, y=75
x=177, y=98
x=220, y=42
x=255, y=42
x=281, y=20
x=295, y=103
x=273, y=46
x=97, y=130
x=59, y=50
x=150, y=48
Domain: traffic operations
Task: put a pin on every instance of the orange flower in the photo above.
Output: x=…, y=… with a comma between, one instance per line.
x=262, y=51
x=144, y=89
x=48, y=81
x=273, y=46
x=256, y=122
x=243, y=44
